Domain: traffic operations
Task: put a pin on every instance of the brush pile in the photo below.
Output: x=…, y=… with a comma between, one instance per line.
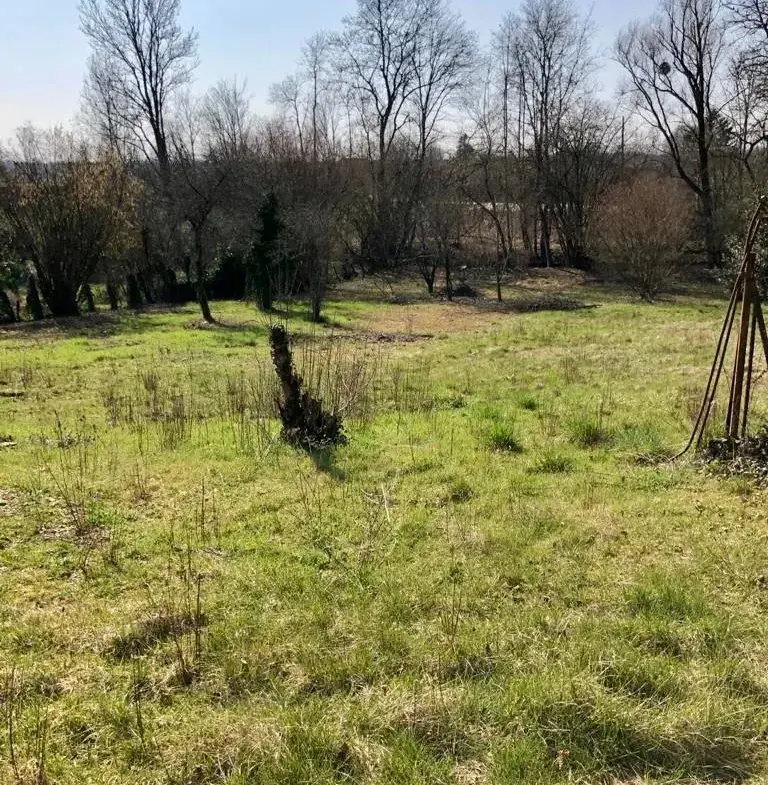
x=745, y=457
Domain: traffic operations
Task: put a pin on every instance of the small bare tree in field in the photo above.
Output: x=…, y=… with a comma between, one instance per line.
x=644, y=226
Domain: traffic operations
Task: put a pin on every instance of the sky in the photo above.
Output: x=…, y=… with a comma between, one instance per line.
x=43, y=54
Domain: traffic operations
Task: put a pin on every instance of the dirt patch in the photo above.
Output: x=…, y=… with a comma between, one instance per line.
x=534, y=304
x=10, y=503
x=383, y=337
x=421, y=321
x=428, y=318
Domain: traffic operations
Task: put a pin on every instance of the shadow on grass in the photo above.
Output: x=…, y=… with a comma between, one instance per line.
x=606, y=742
x=324, y=460
x=110, y=324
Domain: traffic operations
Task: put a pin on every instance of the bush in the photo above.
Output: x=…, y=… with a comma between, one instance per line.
x=230, y=279
x=733, y=255
x=644, y=226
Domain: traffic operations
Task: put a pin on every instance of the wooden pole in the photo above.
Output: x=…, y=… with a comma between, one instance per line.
x=750, y=365
x=733, y=419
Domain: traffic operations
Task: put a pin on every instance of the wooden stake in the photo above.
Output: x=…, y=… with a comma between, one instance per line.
x=733, y=420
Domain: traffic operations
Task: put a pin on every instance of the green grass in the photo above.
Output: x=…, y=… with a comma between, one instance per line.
x=186, y=600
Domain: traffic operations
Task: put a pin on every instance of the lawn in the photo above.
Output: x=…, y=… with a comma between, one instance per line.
x=498, y=579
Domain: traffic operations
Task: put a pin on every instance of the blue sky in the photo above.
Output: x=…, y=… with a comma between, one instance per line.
x=43, y=53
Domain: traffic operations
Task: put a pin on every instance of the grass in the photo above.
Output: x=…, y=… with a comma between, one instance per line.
x=184, y=599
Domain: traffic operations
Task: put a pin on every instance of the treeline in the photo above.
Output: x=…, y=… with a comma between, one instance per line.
x=398, y=144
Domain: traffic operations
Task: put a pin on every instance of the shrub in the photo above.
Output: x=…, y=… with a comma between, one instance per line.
x=644, y=226
x=461, y=491
x=230, y=279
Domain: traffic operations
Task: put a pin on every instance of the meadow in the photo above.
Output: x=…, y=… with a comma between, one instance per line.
x=500, y=578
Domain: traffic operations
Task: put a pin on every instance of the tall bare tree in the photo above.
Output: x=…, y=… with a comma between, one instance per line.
x=402, y=62
x=585, y=160
x=551, y=51
x=673, y=63
x=141, y=58
x=209, y=141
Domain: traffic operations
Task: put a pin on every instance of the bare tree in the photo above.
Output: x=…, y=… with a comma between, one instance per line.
x=208, y=141
x=751, y=16
x=444, y=55
x=315, y=66
x=309, y=99
x=584, y=161
x=141, y=58
x=551, y=51
x=443, y=220
x=748, y=83
x=488, y=180
x=288, y=96
x=747, y=113
x=227, y=116
x=673, y=63
x=402, y=62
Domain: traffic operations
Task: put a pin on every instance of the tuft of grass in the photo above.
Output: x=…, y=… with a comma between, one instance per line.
x=502, y=437
x=588, y=431
x=460, y=491
x=553, y=464
x=666, y=597
x=529, y=402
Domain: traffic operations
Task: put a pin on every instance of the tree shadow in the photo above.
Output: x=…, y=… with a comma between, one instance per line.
x=323, y=459
x=602, y=741
x=112, y=324
x=101, y=324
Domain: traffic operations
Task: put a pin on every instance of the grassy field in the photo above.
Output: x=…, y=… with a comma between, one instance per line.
x=497, y=580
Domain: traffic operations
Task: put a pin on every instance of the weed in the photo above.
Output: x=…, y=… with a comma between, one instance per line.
x=549, y=419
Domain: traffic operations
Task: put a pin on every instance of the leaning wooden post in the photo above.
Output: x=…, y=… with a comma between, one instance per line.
x=734, y=419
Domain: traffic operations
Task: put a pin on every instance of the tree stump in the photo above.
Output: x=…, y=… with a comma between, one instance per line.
x=305, y=423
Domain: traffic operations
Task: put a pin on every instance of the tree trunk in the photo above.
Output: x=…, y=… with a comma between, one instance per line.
x=448, y=281
x=60, y=298
x=711, y=233
x=133, y=291
x=145, y=290
x=546, y=256
x=34, y=306
x=317, y=307
x=112, y=295
x=7, y=315
x=202, y=297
